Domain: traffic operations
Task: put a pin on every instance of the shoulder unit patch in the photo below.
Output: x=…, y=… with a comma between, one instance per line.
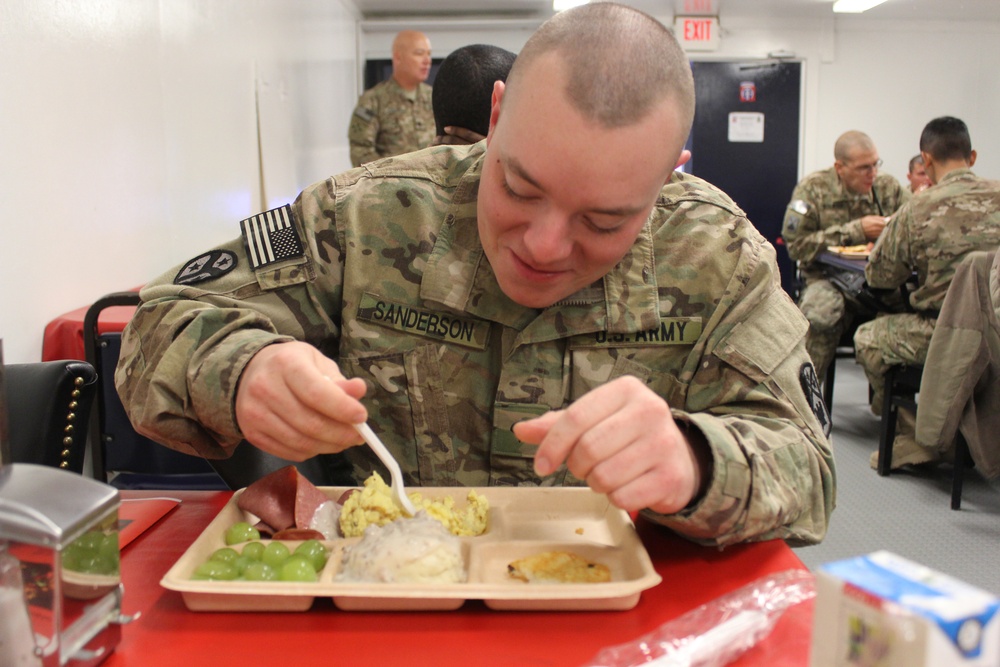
x=810, y=387
x=212, y=264
x=271, y=237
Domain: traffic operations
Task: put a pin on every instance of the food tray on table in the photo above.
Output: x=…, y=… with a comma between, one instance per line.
x=851, y=251
x=522, y=522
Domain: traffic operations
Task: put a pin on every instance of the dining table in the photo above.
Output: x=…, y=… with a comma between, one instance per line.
x=165, y=632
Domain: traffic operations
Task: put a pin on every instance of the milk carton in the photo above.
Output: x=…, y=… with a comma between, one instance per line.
x=882, y=610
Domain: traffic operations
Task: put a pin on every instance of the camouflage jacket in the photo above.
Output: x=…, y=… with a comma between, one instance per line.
x=393, y=284
x=389, y=121
x=823, y=213
x=932, y=233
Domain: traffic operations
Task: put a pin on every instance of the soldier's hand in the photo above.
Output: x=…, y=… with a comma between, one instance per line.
x=293, y=402
x=872, y=226
x=457, y=136
x=621, y=439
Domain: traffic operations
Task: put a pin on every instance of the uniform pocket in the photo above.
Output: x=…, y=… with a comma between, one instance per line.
x=409, y=410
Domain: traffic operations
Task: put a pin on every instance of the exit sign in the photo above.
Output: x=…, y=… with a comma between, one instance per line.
x=697, y=33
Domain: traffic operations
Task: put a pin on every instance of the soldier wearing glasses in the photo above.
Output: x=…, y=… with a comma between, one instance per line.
x=847, y=204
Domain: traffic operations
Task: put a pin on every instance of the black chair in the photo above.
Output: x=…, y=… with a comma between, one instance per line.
x=48, y=407
x=902, y=384
x=122, y=457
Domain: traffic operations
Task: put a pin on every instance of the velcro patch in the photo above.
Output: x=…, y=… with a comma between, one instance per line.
x=799, y=206
x=672, y=331
x=810, y=387
x=423, y=322
x=212, y=264
x=364, y=113
x=271, y=237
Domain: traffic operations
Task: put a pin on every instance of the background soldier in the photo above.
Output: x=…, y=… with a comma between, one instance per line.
x=917, y=175
x=463, y=91
x=930, y=235
x=847, y=204
x=395, y=116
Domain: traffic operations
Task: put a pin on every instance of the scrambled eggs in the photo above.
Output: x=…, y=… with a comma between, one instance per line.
x=373, y=505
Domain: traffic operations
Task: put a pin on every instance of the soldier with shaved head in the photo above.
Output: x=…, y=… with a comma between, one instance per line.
x=395, y=116
x=553, y=305
x=847, y=204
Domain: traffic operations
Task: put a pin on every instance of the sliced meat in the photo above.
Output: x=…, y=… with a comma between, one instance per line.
x=283, y=499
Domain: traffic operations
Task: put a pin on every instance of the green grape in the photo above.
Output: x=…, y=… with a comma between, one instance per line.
x=216, y=570
x=258, y=571
x=109, y=546
x=224, y=555
x=90, y=541
x=275, y=554
x=297, y=568
x=241, y=532
x=71, y=556
x=254, y=550
x=242, y=562
x=314, y=551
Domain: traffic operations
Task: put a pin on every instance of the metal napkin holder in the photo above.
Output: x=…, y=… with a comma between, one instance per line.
x=63, y=528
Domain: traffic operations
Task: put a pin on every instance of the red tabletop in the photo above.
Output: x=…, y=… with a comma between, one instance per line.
x=64, y=335
x=168, y=634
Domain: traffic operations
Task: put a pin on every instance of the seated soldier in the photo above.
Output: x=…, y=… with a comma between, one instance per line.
x=929, y=236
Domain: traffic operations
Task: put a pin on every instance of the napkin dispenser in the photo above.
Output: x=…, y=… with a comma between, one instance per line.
x=60, y=530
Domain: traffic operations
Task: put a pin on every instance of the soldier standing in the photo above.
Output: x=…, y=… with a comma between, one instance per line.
x=395, y=116
x=553, y=305
x=847, y=204
x=929, y=236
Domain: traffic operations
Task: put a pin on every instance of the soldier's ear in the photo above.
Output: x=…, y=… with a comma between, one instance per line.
x=972, y=158
x=498, y=90
x=683, y=159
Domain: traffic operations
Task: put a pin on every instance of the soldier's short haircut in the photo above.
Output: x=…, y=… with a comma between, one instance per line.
x=621, y=63
x=463, y=86
x=849, y=141
x=946, y=138
x=914, y=161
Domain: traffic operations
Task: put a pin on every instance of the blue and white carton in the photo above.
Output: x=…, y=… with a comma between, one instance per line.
x=882, y=610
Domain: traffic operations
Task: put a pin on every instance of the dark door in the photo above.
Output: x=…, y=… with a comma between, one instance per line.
x=745, y=140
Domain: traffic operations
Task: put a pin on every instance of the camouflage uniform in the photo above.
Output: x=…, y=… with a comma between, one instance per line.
x=930, y=235
x=823, y=213
x=389, y=120
x=393, y=284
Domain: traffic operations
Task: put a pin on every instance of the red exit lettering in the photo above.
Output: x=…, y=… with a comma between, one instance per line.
x=697, y=30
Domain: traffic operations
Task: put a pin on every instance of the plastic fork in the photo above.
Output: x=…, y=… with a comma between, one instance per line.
x=396, y=475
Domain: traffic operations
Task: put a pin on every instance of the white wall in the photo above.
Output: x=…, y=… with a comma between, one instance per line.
x=129, y=135
x=129, y=128
x=884, y=78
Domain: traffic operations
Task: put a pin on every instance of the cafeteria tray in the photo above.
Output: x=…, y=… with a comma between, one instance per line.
x=521, y=522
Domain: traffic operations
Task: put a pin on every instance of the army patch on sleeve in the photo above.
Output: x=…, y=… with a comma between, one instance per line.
x=365, y=114
x=799, y=206
x=211, y=265
x=810, y=387
x=271, y=237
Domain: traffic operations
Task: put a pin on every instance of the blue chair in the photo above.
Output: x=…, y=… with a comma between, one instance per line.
x=121, y=456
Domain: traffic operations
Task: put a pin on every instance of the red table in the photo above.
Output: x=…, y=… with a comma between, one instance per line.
x=168, y=634
x=64, y=335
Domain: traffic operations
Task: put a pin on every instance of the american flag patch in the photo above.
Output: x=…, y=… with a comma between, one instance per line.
x=271, y=237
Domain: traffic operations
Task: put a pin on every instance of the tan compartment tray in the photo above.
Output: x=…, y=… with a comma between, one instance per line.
x=521, y=522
